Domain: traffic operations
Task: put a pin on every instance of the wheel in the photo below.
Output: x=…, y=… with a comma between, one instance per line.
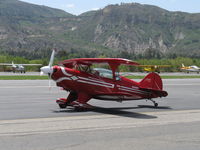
x=62, y=106
x=80, y=109
x=156, y=104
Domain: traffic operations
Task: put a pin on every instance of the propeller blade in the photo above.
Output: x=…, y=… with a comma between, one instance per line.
x=52, y=58
x=49, y=83
x=48, y=70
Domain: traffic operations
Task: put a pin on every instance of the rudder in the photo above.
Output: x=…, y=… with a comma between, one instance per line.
x=152, y=81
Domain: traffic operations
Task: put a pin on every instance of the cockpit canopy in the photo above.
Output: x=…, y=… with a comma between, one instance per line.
x=106, y=73
x=101, y=72
x=85, y=65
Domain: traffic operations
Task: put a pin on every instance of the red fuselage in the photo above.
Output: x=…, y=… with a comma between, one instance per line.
x=99, y=87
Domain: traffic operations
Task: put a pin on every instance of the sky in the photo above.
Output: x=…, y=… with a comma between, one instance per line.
x=77, y=7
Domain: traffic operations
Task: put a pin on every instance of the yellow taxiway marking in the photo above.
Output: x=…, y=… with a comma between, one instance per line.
x=95, y=122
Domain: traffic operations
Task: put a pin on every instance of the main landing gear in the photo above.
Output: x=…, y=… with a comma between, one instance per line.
x=76, y=100
x=64, y=102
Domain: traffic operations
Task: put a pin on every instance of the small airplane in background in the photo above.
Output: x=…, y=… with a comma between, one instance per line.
x=190, y=68
x=84, y=82
x=153, y=68
x=18, y=67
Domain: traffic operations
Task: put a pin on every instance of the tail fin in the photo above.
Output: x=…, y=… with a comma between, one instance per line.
x=183, y=65
x=152, y=81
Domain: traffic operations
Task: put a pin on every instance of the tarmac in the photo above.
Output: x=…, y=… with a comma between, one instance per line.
x=122, y=73
x=30, y=119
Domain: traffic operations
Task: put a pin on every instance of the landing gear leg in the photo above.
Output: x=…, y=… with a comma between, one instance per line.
x=61, y=102
x=154, y=102
x=81, y=103
x=64, y=102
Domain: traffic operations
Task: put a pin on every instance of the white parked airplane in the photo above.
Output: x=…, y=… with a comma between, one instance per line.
x=190, y=68
x=18, y=67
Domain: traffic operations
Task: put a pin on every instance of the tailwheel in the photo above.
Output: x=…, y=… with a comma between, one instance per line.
x=154, y=102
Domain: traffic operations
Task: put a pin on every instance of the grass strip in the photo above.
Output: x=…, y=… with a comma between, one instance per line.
x=24, y=77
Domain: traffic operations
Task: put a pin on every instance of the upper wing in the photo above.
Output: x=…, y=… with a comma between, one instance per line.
x=30, y=64
x=90, y=61
x=155, y=66
x=5, y=64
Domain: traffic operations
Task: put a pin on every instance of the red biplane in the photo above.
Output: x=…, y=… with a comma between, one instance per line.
x=85, y=82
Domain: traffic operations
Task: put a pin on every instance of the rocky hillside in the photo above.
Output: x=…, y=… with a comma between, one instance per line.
x=26, y=29
x=141, y=29
x=126, y=30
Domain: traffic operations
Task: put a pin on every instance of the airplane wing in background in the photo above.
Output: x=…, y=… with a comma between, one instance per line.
x=155, y=66
x=5, y=64
x=30, y=64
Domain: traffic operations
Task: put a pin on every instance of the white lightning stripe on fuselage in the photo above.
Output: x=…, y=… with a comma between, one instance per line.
x=61, y=79
x=98, y=81
x=131, y=88
x=82, y=81
x=135, y=89
x=92, y=83
x=128, y=88
x=87, y=79
x=64, y=72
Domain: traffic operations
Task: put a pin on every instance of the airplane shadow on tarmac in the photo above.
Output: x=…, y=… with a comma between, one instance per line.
x=118, y=111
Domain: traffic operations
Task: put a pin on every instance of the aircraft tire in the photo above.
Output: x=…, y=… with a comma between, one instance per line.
x=62, y=106
x=156, y=105
x=80, y=109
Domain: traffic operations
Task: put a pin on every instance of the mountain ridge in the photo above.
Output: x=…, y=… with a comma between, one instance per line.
x=123, y=30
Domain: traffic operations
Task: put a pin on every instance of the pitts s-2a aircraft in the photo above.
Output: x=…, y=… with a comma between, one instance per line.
x=84, y=82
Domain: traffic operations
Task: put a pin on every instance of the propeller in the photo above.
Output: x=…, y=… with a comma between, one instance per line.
x=48, y=70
